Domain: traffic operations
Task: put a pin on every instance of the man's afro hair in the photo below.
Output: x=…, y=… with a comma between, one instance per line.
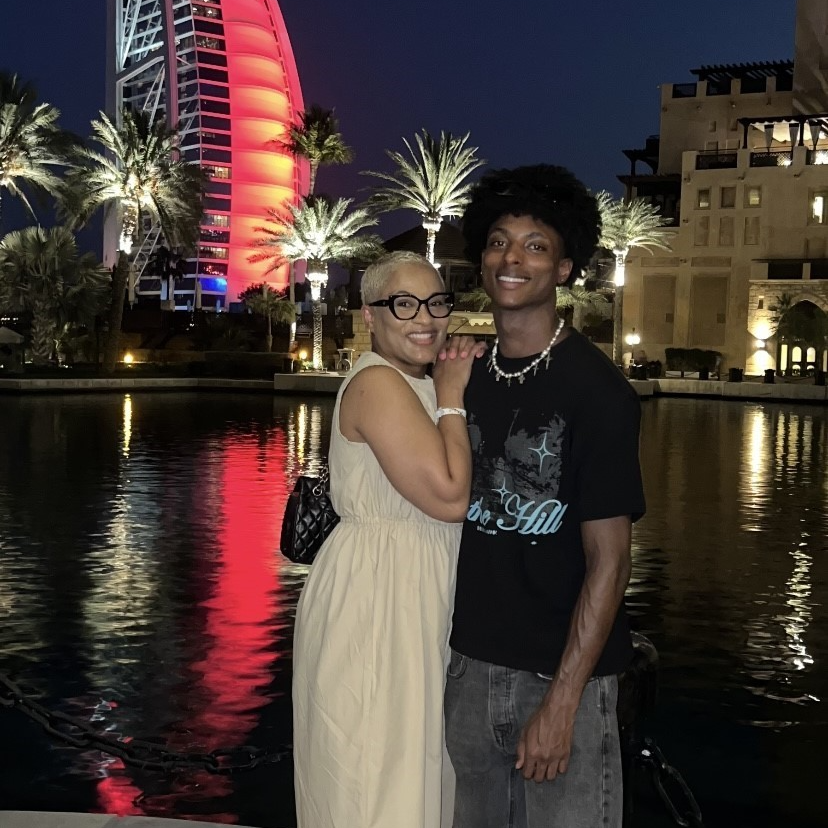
x=545, y=192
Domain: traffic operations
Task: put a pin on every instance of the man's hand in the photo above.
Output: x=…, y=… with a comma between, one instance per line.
x=546, y=741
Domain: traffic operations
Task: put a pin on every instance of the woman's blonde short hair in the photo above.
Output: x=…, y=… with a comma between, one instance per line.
x=378, y=274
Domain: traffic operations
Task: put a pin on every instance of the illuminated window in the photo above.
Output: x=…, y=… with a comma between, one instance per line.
x=205, y=42
x=207, y=11
x=703, y=199
x=819, y=208
x=753, y=196
x=214, y=171
x=210, y=252
x=728, y=197
x=215, y=236
x=215, y=220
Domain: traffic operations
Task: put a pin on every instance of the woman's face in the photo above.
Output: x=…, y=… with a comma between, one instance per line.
x=412, y=344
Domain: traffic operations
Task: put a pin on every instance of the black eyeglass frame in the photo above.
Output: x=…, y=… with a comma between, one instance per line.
x=389, y=303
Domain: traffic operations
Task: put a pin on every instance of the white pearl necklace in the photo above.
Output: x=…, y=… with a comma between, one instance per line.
x=545, y=354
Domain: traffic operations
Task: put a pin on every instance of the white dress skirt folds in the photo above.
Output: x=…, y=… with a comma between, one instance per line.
x=370, y=649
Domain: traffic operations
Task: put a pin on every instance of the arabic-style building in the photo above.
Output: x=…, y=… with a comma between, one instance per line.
x=740, y=167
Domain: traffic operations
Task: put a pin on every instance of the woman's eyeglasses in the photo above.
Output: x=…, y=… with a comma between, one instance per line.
x=405, y=306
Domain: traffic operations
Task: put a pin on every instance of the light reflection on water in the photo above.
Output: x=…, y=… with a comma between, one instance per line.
x=139, y=589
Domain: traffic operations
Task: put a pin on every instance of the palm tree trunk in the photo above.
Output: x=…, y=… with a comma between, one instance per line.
x=578, y=313
x=617, y=325
x=618, y=307
x=269, y=337
x=292, y=295
x=43, y=333
x=317, y=336
x=115, y=315
x=431, y=241
x=312, y=177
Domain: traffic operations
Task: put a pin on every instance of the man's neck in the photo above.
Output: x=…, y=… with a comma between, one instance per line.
x=523, y=333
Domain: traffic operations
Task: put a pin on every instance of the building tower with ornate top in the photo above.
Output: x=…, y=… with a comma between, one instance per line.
x=223, y=72
x=741, y=168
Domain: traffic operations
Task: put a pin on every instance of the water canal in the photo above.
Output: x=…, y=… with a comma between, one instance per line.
x=140, y=590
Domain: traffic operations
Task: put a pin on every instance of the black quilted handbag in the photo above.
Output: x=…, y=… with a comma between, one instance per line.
x=309, y=519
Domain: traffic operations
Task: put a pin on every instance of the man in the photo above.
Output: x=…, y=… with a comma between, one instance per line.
x=539, y=631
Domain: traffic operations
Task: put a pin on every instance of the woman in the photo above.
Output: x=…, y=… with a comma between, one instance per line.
x=372, y=622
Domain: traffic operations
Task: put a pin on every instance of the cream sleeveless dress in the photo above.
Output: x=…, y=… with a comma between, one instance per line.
x=370, y=647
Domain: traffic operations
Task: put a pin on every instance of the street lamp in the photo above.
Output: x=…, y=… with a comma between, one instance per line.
x=632, y=338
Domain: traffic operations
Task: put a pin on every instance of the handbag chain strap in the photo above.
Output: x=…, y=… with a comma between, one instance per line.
x=321, y=487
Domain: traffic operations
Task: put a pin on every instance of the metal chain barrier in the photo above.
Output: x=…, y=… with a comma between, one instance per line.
x=637, y=697
x=142, y=754
x=664, y=775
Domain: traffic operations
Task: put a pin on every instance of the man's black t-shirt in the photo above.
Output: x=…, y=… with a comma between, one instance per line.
x=557, y=450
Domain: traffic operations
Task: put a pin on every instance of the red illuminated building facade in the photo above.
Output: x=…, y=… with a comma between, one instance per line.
x=222, y=71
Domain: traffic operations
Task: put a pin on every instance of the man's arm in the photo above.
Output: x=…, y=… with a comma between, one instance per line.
x=546, y=741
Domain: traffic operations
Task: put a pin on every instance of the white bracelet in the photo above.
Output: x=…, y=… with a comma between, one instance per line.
x=441, y=412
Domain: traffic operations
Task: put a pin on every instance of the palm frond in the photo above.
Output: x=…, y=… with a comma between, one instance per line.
x=31, y=142
x=137, y=170
x=629, y=224
x=316, y=230
x=477, y=299
x=433, y=181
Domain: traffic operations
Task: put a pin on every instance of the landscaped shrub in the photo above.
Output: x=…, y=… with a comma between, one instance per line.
x=690, y=359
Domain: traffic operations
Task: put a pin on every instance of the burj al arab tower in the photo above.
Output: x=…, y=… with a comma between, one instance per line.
x=223, y=72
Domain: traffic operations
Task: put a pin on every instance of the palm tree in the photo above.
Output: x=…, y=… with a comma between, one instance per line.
x=317, y=138
x=626, y=224
x=262, y=299
x=139, y=174
x=574, y=297
x=316, y=231
x=432, y=182
x=31, y=143
x=42, y=273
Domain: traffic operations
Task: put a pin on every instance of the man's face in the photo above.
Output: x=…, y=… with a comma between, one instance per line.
x=522, y=264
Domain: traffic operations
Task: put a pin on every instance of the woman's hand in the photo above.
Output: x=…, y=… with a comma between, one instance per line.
x=453, y=368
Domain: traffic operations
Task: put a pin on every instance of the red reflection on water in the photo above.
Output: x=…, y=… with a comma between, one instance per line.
x=229, y=683
x=117, y=794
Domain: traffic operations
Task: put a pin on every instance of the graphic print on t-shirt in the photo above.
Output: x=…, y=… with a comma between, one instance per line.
x=515, y=487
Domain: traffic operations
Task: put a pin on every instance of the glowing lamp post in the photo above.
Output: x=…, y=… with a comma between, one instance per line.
x=317, y=275
x=632, y=339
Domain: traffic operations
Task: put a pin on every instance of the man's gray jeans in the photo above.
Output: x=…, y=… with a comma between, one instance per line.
x=486, y=709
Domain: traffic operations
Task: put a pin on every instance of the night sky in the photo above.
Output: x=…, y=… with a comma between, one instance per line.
x=532, y=80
